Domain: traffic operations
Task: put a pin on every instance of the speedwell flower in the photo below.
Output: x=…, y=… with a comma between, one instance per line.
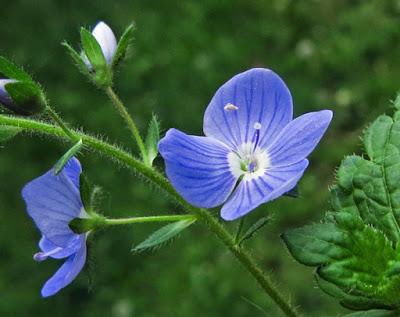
x=253, y=151
x=53, y=201
x=107, y=41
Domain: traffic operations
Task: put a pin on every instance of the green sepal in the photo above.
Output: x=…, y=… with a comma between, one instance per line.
x=82, y=225
x=123, y=45
x=152, y=138
x=163, y=235
x=253, y=229
x=12, y=71
x=102, y=74
x=77, y=58
x=58, y=167
x=28, y=99
x=8, y=132
x=86, y=193
x=293, y=193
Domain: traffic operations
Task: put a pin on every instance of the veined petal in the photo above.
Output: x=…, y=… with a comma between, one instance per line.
x=253, y=192
x=53, y=201
x=106, y=39
x=66, y=273
x=299, y=138
x=49, y=249
x=198, y=168
x=255, y=96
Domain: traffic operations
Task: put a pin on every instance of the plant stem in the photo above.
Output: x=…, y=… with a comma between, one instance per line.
x=168, y=218
x=121, y=109
x=155, y=177
x=61, y=123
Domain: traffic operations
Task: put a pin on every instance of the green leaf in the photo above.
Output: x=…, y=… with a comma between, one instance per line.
x=58, y=167
x=27, y=97
x=163, y=234
x=77, y=58
x=356, y=248
x=123, y=45
x=375, y=313
x=8, y=132
x=152, y=138
x=12, y=71
x=254, y=228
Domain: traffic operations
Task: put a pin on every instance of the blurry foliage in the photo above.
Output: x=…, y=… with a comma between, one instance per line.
x=341, y=55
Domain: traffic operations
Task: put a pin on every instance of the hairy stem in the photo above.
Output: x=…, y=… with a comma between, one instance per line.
x=121, y=109
x=167, y=218
x=156, y=178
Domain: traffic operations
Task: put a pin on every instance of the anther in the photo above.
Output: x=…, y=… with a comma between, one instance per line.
x=40, y=256
x=230, y=107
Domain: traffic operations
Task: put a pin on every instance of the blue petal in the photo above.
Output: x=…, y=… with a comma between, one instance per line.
x=254, y=192
x=53, y=201
x=73, y=170
x=261, y=96
x=197, y=167
x=299, y=138
x=48, y=247
x=66, y=273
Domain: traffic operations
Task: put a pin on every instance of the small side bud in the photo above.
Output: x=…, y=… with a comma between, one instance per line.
x=5, y=98
x=23, y=98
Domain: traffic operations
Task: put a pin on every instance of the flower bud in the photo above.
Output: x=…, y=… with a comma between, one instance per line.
x=107, y=41
x=21, y=97
x=5, y=98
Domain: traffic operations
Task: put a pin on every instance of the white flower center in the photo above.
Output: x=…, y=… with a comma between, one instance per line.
x=249, y=160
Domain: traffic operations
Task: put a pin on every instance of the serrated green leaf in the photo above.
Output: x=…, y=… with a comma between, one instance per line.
x=152, y=138
x=11, y=70
x=77, y=58
x=356, y=248
x=163, y=235
x=123, y=45
x=58, y=167
x=28, y=98
x=8, y=132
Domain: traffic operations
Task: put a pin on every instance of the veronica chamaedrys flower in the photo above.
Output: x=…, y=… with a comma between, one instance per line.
x=253, y=151
x=53, y=201
x=107, y=41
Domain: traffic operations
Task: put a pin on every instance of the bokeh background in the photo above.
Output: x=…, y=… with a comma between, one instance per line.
x=336, y=54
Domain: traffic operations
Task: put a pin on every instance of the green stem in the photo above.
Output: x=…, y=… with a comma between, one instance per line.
x=155, y=177
x=168, y=218
x=50, y=111
x=119, y=106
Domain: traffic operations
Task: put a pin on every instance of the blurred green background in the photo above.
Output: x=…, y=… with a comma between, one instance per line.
x=336, y=54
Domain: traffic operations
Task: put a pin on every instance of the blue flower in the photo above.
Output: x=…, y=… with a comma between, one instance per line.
x=53, y=201
x=253, y=151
